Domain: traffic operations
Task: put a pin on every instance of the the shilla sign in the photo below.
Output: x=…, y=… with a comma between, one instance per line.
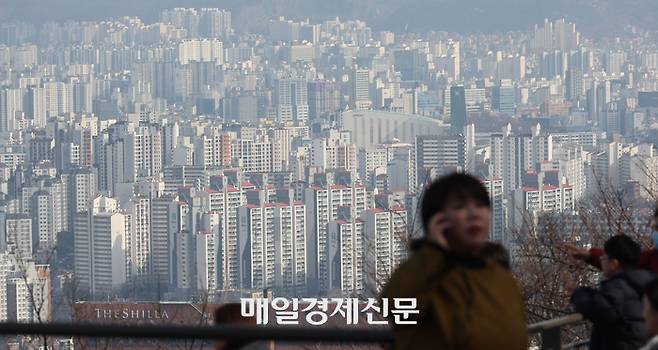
x=152, y=313
x=131, y=314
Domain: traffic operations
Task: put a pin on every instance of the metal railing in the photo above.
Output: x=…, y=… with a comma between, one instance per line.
x=228, y=332
x=549, y=331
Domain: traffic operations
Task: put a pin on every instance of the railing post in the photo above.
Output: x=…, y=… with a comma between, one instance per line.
x=551, y=338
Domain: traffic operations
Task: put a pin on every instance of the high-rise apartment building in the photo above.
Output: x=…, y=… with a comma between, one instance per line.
x=324, y=204
x=11, y=103
x=100, y=254
x=361, y=88
x=346, y=259
x=514, y=155
x=457, y=109
x=384, y=245
x=322, y=98
x=504, y=98
x=291, y=100
x=436, y=155
x=272, y=243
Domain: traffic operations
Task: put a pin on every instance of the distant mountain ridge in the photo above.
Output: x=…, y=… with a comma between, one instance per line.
x=594, y=17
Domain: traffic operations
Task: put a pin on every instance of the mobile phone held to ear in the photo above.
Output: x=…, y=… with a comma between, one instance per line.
x=444, y=222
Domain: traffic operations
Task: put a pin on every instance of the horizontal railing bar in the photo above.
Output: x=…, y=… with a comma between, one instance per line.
x=576, y=345
x=227, y=332
x=553, y=323
x=232, y=332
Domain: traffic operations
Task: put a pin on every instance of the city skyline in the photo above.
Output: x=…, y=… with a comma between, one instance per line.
x=597, y=18
x=183, y=159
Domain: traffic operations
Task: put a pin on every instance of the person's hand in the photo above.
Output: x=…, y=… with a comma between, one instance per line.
x=437, y=232
x=577, y=253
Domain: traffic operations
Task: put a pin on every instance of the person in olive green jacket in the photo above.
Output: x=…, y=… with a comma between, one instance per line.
x=466, y=298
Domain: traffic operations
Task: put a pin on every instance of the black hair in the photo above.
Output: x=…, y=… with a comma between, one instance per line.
x=448, y=188
x=624, y=249
x=655, y=212
x=651, y=292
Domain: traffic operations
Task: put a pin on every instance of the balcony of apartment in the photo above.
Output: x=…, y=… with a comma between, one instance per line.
x=543, y=335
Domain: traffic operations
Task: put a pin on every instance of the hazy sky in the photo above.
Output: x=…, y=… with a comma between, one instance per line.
x=592, y=16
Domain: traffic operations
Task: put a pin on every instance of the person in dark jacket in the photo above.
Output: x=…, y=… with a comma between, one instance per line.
x=615, y=308
x=466, y=296
x=651, y=314
x=648, y=257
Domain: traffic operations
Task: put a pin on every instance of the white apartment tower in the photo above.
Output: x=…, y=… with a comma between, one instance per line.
x=385, y=241
x=324, y=205
x=225, y=203
x=208, y=252
x=346, y=259
x=361, y=86
x=498, y=227
x=18, y=232
x=291, y=97
x=144, y=152
x=513, y=155
x=138, y=241
x=273, y=247
x=100, y=252
x=11, y=102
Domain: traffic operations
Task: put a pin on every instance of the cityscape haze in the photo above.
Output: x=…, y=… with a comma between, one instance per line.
x=195, y=153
